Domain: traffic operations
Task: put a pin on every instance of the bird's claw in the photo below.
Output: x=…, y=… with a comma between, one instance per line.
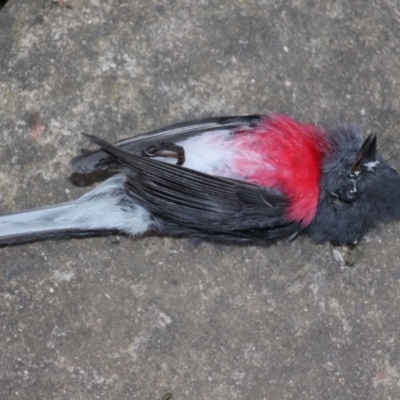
x=171, y=150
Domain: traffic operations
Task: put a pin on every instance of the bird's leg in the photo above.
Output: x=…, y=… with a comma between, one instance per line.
x=171, y=150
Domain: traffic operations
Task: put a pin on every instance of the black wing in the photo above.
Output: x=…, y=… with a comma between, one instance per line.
x=197, y=204
x=92, y=160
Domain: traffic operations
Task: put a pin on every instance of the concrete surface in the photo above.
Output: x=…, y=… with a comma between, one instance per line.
x=116, y=318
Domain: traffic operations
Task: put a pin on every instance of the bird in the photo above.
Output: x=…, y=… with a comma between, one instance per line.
x=253, y=179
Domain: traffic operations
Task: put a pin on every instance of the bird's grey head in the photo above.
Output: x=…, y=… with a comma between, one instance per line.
x=358, y=189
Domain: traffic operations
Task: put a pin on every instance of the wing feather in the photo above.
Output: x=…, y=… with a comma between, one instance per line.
x=198, y=204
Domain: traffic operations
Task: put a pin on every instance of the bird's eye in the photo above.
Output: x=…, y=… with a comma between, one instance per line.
x=347, y=192
x=339, y=201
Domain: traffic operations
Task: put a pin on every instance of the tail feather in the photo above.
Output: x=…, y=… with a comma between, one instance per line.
x=105, y=209
x=28, y=237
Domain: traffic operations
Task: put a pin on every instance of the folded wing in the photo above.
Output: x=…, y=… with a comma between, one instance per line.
x=197, y=204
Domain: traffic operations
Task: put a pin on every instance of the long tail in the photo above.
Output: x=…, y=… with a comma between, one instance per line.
x=104, y=209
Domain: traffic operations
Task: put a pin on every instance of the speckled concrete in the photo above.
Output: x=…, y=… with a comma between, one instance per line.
x=117, y=318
